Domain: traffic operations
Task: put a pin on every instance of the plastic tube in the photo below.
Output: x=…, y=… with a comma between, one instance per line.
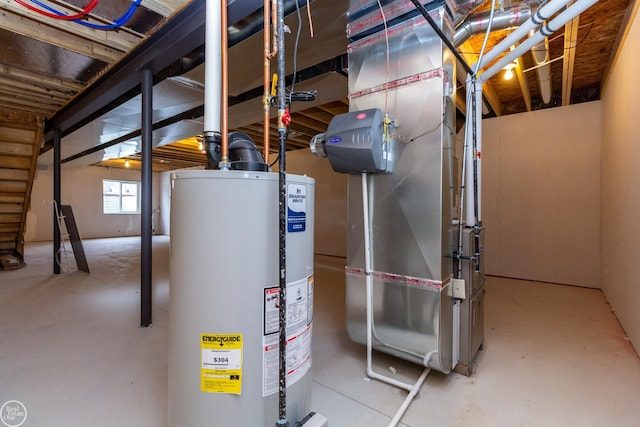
x=546, y=30
x=538, y=17
x=57, y=14
x=411, y=388
x=213, y=68
x=116, y=24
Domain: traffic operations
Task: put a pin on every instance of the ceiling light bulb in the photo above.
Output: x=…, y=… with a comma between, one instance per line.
x=127, y=164
x=508, y=74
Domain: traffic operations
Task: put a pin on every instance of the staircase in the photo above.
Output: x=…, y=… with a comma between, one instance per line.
x=20, y=140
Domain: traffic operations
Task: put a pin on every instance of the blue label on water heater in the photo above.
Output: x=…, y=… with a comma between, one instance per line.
x=296, y=208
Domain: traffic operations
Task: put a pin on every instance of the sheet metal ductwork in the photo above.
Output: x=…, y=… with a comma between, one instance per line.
x=410, y=208
x=502, y=19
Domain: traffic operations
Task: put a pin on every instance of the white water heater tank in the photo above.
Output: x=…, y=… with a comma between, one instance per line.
x=224, y=305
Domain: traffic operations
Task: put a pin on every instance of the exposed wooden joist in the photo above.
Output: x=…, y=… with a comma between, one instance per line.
x=632, y=11
x=32, y=89
x=57, y=83
x=15, y=102
x=522, y=80
x=25, y=109
x=122, y=40
x=568, y=60
x=163, y=7
x=34, y=96
x=19, y=24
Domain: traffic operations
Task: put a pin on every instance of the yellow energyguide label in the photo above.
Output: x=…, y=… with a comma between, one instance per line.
x=221, y=363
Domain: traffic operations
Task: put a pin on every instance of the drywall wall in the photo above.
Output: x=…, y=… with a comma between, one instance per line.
x=331, y=201
x=541, y=195
x=620, y=180
x=81, y=187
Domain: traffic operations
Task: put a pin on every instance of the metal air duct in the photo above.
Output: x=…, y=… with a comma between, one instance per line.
x=479, y=22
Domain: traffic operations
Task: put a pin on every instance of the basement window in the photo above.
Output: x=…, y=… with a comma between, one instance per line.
x=120, y=197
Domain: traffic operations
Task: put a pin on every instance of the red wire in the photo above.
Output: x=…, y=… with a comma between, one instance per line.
x=81, y=15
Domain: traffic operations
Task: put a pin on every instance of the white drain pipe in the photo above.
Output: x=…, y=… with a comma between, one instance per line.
x=213, y=66
x=537, y=19
x=546, y=30
x=368, y=275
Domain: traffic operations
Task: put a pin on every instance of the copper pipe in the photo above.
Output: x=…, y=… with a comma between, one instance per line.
x=274, y=28
x=225, y=87
x=266, y=76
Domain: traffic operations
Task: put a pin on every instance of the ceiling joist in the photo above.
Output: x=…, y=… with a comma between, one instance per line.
x=43, y=80
x=121, y=40
x=16, y=23
x=569, y=58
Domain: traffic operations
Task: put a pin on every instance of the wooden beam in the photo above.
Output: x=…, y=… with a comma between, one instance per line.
x=568, y=60
x=32, y=89
x=66, y=86
x=27, y=27
x=33, y=96
x=522, y=80
x=122, y=39
x=625, y=27
x=466, y=50
x=27, y=104
x=164, y=7
x=25, y=109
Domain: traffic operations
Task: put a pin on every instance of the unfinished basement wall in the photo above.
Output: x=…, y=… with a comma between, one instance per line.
x=331, y=201
x=620, y=180
x=81, y=187
x=541, y=195
x=330, y=236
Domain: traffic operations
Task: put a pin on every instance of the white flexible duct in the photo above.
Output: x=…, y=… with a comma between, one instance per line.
x=213, y=66
x=546, y=30
x=538, y=17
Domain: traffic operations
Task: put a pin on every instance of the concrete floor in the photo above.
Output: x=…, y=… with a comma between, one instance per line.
x=72, y=352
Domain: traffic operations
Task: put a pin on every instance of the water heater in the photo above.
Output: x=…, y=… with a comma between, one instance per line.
x=223, y=317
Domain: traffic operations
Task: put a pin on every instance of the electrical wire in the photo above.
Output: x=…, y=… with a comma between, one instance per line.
x=85, y=11
x=309, y=17
x=386, y=37
x=295, y=49
x=116, y=24
x=486, y=37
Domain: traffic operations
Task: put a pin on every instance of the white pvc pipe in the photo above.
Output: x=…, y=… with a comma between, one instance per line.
x=537, y=18
x=478, y=114
x=407, y=401
x=411, y=388
x=469, y=214
x=213, y=66
x=554, y=25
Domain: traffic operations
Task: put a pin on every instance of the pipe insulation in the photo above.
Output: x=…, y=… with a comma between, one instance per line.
x=545, y=31
x=537, y=18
